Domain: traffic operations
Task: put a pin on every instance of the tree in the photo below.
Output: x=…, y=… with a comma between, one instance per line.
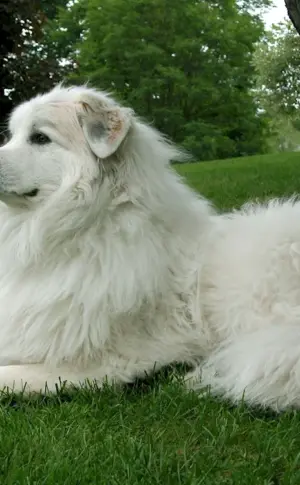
x=185, y=65
x=293, y=9
x=12, y=26
x=27, y=62
x=277, y=61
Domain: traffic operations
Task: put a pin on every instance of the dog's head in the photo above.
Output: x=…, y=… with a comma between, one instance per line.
x=60, y=138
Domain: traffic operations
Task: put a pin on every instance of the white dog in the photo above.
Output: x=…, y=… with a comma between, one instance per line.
x=110, y=266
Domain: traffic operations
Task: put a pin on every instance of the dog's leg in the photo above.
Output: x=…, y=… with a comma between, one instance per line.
x=148, y=355
x=40, y=378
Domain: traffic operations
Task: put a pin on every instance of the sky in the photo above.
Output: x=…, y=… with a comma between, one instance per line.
x=276, y=14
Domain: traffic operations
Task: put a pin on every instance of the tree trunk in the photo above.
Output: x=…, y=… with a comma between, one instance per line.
x=293, y=9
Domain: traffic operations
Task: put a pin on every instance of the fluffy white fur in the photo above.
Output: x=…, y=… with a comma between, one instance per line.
x=113, y=267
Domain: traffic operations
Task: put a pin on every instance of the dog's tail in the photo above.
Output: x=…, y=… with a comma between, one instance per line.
x=262, y=368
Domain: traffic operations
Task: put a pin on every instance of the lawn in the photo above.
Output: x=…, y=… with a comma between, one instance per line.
x=156, y=432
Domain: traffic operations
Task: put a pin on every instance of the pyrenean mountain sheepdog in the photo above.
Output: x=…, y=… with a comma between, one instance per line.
x=111, y=266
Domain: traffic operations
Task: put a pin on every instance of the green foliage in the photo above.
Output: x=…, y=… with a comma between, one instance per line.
x=277, y=63
x=255, y=5
x=28, y=63
x=183, y=65
x=12, y=15
x=63, y=31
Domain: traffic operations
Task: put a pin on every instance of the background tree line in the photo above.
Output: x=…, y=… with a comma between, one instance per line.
x=205, y=72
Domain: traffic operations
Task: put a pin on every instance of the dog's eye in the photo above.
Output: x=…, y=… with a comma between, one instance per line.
x=39, y=138
x=32, y=193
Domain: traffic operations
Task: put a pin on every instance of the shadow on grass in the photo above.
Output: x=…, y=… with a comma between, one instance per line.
x=167, y=377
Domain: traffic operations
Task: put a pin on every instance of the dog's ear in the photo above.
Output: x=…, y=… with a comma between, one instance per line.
x=104, y=128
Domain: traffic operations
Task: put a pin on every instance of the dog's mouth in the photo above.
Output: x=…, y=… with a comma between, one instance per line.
x=18, y=199
x=30, y=194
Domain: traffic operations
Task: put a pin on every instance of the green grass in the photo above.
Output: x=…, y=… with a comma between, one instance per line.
x=158, y=433
x=230, y=183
